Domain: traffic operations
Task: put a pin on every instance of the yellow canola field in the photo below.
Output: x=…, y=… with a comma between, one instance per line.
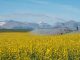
x=27, y=46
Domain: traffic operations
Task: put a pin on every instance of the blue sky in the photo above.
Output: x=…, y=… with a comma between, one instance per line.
x=40, y=10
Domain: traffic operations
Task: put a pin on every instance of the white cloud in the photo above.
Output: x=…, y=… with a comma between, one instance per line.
x=30, y=17
x=63, y=12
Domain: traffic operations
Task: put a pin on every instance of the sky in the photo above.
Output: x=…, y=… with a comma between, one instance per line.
x=49, y=11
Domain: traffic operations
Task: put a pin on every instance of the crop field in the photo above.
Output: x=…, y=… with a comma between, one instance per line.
x=27, y=46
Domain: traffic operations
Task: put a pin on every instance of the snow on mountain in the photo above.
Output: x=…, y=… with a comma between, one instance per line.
x=59, y=27
x=2, y=23
x=72, y=25
x=44, y=25
x=17, y=25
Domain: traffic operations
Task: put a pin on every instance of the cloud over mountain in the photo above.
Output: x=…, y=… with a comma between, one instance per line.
x=30, y=17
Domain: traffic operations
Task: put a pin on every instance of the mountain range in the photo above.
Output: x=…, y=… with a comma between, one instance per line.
x=40, y=27
x=11, y=24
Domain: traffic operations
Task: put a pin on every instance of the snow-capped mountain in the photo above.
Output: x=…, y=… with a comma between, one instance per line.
x=57, y=28
x=2, y=23
x=11, y=24
x=44, y=25
x=17, y=25
x=72, y=25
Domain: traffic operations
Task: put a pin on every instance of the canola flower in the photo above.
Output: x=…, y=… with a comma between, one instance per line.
x=26, y=46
